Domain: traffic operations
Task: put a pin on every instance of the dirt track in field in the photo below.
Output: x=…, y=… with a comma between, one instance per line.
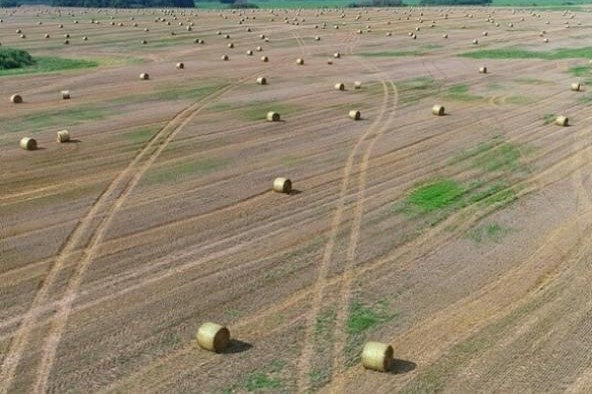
x=160, y=216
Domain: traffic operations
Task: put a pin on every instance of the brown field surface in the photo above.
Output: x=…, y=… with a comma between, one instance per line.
x=462, y=240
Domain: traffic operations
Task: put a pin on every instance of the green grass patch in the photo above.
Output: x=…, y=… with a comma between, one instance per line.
x=260, y=381
x=579, y=71
x=324, y=322
x=52, y=118
x=492, y=232
x=362, y=317
x=45, y=64
x=178, y=171
x=549, y=118
x=461, y=92
x=585, y=98
x=413, y=90
x=140, y=135
x=436, y=195
x=500, y=157
x=517, y=53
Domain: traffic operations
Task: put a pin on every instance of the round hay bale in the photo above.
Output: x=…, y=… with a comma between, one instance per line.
x=561, y=121
x=63, y=136
x=227, y=36
x=66, y=42
x=259, y=49
x=225, y=58
x=483, y=70
x=264, y=59
x=16, y=99
x=388, y=34
x=65, y=94
x=180, y=65
x=273, y=116
x=475, y=42
x=84, y=38
x=262, y=81
x=377, y=356
x=230, y=45
x=282, y=185
x=438, y=110
x=144, y=42
x=546, y=40
x=249, y=53
x=46, y=35
x=484, y=34
x=337, y=55
x=27, y=143
x=355, y=114
x=358, y=85
x=329, y=62
x=444, y=35
x=144, y=76
x=339, y=86
x=576, y=86
x=213, y=337
x=66, y=35
x=317, y=38
x=300, y=61
x=23, y=36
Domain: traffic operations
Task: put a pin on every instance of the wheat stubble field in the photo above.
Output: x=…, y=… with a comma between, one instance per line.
x=462, y=240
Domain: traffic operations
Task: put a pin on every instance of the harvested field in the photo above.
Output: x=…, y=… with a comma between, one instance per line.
x=460, y=240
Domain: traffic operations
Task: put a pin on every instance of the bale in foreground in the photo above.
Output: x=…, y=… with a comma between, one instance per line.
x=28, y=143
x=282, y=185
x=65, y=94
x=273, y=116
x=561, y=121
x=16, y=99
x=377, y=356
x=213, y=337
x=438, y=110
x=576, y=87
x=63, y=136
x=355, y=115
x=144, y=76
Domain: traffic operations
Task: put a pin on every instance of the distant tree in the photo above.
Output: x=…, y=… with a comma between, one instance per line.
x=8, y=3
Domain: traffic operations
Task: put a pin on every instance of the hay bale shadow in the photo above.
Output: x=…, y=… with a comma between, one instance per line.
x=72, y=141
x=399, y=366
x=237, y=346
x=294, y=192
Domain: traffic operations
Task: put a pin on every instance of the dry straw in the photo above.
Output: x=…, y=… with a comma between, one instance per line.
x=180, y=65
x=16, y=99
x=300, y=61
x=273, y=116
x=63, y=136
x=28, y=143
x=339, y=86
x=144, y=76
x=262, y=81
x=561, y=121
x=438, y=110
x=213, y=337
x=355, y=114
x=576, y=86
x=483, y=70
x=282, y=185
x=377, y=356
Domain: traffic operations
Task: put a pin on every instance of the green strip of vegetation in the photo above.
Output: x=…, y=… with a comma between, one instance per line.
x=517, y=53
x=436, y=195
x=461, y=92
x=50, y=64
x=177, y=171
